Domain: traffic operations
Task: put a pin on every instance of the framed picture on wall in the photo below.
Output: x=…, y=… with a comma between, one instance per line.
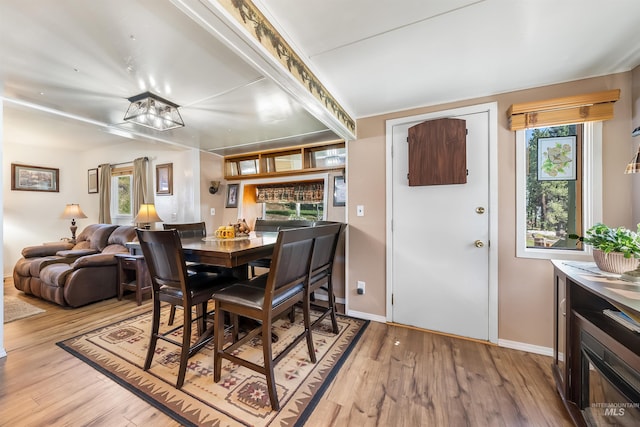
x=92, y=180
x=164, y=179
x=34, y=178
x=557, y=158
x=339, y=191
x=232, y=196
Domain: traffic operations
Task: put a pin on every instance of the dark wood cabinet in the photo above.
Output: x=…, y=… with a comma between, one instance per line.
x=438, y=152
x=581, y=296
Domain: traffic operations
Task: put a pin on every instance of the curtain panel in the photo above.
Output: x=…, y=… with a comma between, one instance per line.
x=104, y=215
x=301, y=192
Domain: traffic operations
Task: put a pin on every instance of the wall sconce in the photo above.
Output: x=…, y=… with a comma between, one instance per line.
x=73, y=211
x=146, y=215
x=215, y=186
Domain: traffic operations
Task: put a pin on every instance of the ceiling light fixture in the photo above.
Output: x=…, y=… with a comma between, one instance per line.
x=154, y=112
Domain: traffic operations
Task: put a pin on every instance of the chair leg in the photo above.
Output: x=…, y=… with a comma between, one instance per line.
x=332, y=306
x=306, y=314
x=155, y=327
x=218, y=337
x=172, y=314
x=235, y=322
x=268, y=365
x=201, y=313
x=186, y=343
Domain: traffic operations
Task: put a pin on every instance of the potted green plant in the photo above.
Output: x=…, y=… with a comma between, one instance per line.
x=615, y=250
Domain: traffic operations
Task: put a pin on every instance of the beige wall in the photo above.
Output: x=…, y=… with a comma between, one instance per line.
x=525, y=285
x=211, y=167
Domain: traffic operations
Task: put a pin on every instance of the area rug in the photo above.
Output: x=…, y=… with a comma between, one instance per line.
x=15, y=308
x=241, y=397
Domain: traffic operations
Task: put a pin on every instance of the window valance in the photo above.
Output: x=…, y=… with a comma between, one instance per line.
x=597, y=106
x=299, y=192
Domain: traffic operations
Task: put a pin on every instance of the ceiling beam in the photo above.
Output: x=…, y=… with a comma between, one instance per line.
x=245, y=30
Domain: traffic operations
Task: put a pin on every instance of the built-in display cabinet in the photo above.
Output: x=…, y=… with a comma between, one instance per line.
x=289, y=161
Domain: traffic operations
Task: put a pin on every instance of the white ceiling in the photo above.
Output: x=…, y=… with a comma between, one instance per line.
x=68, y=66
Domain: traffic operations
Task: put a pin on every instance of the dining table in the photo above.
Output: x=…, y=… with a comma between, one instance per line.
x=233, y=253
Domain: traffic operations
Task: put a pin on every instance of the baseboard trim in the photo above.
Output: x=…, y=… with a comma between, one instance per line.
x=366, y=316
x=530, y=348
x=323, y=297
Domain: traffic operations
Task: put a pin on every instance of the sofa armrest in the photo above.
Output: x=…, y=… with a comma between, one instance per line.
x=47, y=249
x=97, y=260
x=76, y=253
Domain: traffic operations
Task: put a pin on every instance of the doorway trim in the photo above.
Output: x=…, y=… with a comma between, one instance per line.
x=492, y=109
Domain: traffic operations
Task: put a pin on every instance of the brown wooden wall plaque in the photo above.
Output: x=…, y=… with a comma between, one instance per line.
x=438, y=152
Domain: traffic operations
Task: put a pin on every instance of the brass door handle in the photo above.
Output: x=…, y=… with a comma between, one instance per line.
x=479, y=244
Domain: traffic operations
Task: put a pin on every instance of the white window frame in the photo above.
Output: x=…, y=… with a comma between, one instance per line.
x=591, y=194
x=115, y=216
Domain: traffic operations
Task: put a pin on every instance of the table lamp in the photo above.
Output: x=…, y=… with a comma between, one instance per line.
x=73, y=211
x=146, y=215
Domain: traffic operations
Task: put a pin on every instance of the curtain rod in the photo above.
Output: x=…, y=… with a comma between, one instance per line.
x=126, y=163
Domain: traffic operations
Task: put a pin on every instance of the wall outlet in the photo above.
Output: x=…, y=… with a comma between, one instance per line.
x=213, y=211
x=360, y=287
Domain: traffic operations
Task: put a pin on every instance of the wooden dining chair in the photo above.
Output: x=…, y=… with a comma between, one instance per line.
x=172, y=284
x=264, y=299
x=321, y=274
x=273, y=225
x=190, y=230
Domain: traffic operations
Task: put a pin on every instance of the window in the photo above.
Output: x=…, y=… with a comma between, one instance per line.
x=289, y=211
x=286, y=198
x=292, y=200
x=559, y=177
x=121, y=191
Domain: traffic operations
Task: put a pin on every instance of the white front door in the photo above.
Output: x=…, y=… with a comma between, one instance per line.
x=440, y=248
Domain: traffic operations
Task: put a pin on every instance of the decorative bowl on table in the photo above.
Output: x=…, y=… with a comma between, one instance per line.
x=233, y=231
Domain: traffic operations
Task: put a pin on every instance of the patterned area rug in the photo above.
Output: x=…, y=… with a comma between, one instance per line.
x=241, y=397
x=15, y=308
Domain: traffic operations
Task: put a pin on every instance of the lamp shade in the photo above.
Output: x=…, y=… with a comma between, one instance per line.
x=147, y=214
x=634, y=164
x=72, y=211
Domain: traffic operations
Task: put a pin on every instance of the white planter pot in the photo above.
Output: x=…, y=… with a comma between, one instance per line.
x=614, y=262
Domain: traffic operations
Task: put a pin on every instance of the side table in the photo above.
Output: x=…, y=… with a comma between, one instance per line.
x=133, y=275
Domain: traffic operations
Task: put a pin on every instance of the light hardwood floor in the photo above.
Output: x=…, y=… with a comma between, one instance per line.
x=394, y=377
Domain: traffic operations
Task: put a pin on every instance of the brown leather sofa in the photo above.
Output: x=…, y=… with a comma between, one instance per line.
x=74, y=274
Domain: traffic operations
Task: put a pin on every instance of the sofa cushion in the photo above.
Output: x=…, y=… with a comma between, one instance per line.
x=46, y=249
x=122, y=235
x=24, y=265
x=95, y=236
x=86, y=233
x=55, y=274
x=75, y=253
x=97, y=260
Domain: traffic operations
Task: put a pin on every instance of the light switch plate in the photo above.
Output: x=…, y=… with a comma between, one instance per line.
x=213, y=211
x=360, y=210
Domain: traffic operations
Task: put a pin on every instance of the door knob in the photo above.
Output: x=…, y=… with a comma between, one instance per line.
x=480, y=210
x=479, y=244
